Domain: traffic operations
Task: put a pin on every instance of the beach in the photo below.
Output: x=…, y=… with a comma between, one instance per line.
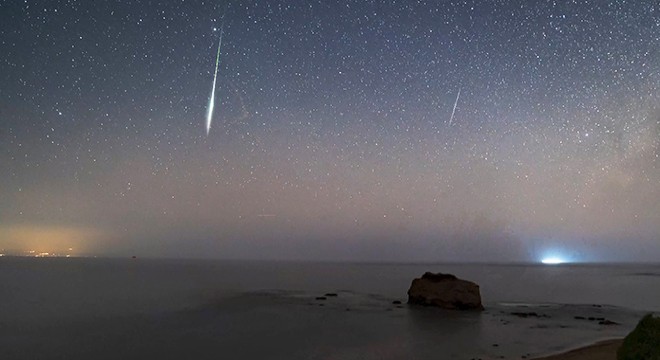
x=604, y=350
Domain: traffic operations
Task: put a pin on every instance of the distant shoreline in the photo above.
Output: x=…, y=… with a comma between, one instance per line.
x=22, y=255
x=602, y=350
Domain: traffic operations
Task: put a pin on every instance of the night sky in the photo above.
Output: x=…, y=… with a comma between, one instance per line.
x=332, y=134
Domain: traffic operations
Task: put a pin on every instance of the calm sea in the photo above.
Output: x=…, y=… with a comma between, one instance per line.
x=146, y=308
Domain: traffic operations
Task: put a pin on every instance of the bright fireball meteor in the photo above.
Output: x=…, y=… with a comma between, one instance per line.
x=209, y=115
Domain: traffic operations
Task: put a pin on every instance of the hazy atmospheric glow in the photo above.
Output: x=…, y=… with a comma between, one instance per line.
x=435, y=131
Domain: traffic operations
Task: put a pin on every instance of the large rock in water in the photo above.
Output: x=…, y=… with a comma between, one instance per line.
x=445, y=291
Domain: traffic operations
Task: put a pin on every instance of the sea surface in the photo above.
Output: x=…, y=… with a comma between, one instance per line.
x=93, y=308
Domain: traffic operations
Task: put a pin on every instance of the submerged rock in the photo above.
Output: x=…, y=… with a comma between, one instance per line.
x=445, y=291
x=529, y=314
x=609, y=322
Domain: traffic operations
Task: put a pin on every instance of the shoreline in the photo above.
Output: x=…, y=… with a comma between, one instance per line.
x=601, y=350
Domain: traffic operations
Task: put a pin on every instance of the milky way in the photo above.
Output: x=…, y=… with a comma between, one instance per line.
x=334, y=124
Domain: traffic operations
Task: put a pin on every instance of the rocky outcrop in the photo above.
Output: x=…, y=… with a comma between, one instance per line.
x=642, y=343
x=445, y=291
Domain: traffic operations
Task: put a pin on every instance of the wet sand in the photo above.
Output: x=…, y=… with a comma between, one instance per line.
x=604, y=350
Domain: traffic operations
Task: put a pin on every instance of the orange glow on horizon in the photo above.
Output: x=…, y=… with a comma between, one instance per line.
x=46, y=240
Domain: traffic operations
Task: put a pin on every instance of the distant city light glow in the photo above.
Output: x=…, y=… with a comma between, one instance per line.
x=552, y=260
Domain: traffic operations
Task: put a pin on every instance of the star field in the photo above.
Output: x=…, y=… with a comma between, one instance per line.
x=331, y=135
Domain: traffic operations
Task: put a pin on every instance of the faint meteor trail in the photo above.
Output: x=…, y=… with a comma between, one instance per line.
x=454, y=110
x=209, y=115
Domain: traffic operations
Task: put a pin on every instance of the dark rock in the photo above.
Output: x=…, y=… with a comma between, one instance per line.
x=529, y=314
x=525, y=314
x=607, y=322
x=445, y=291
x=321, y=298
x=437, y=277
x=396, y=302
x=579, y=318
x=591, y=318
x=642, y=342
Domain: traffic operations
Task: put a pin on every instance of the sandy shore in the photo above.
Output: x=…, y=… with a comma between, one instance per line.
x=604, y=350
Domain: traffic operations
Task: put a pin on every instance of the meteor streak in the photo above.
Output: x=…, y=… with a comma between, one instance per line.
x=454, y=110
x=209, y=115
